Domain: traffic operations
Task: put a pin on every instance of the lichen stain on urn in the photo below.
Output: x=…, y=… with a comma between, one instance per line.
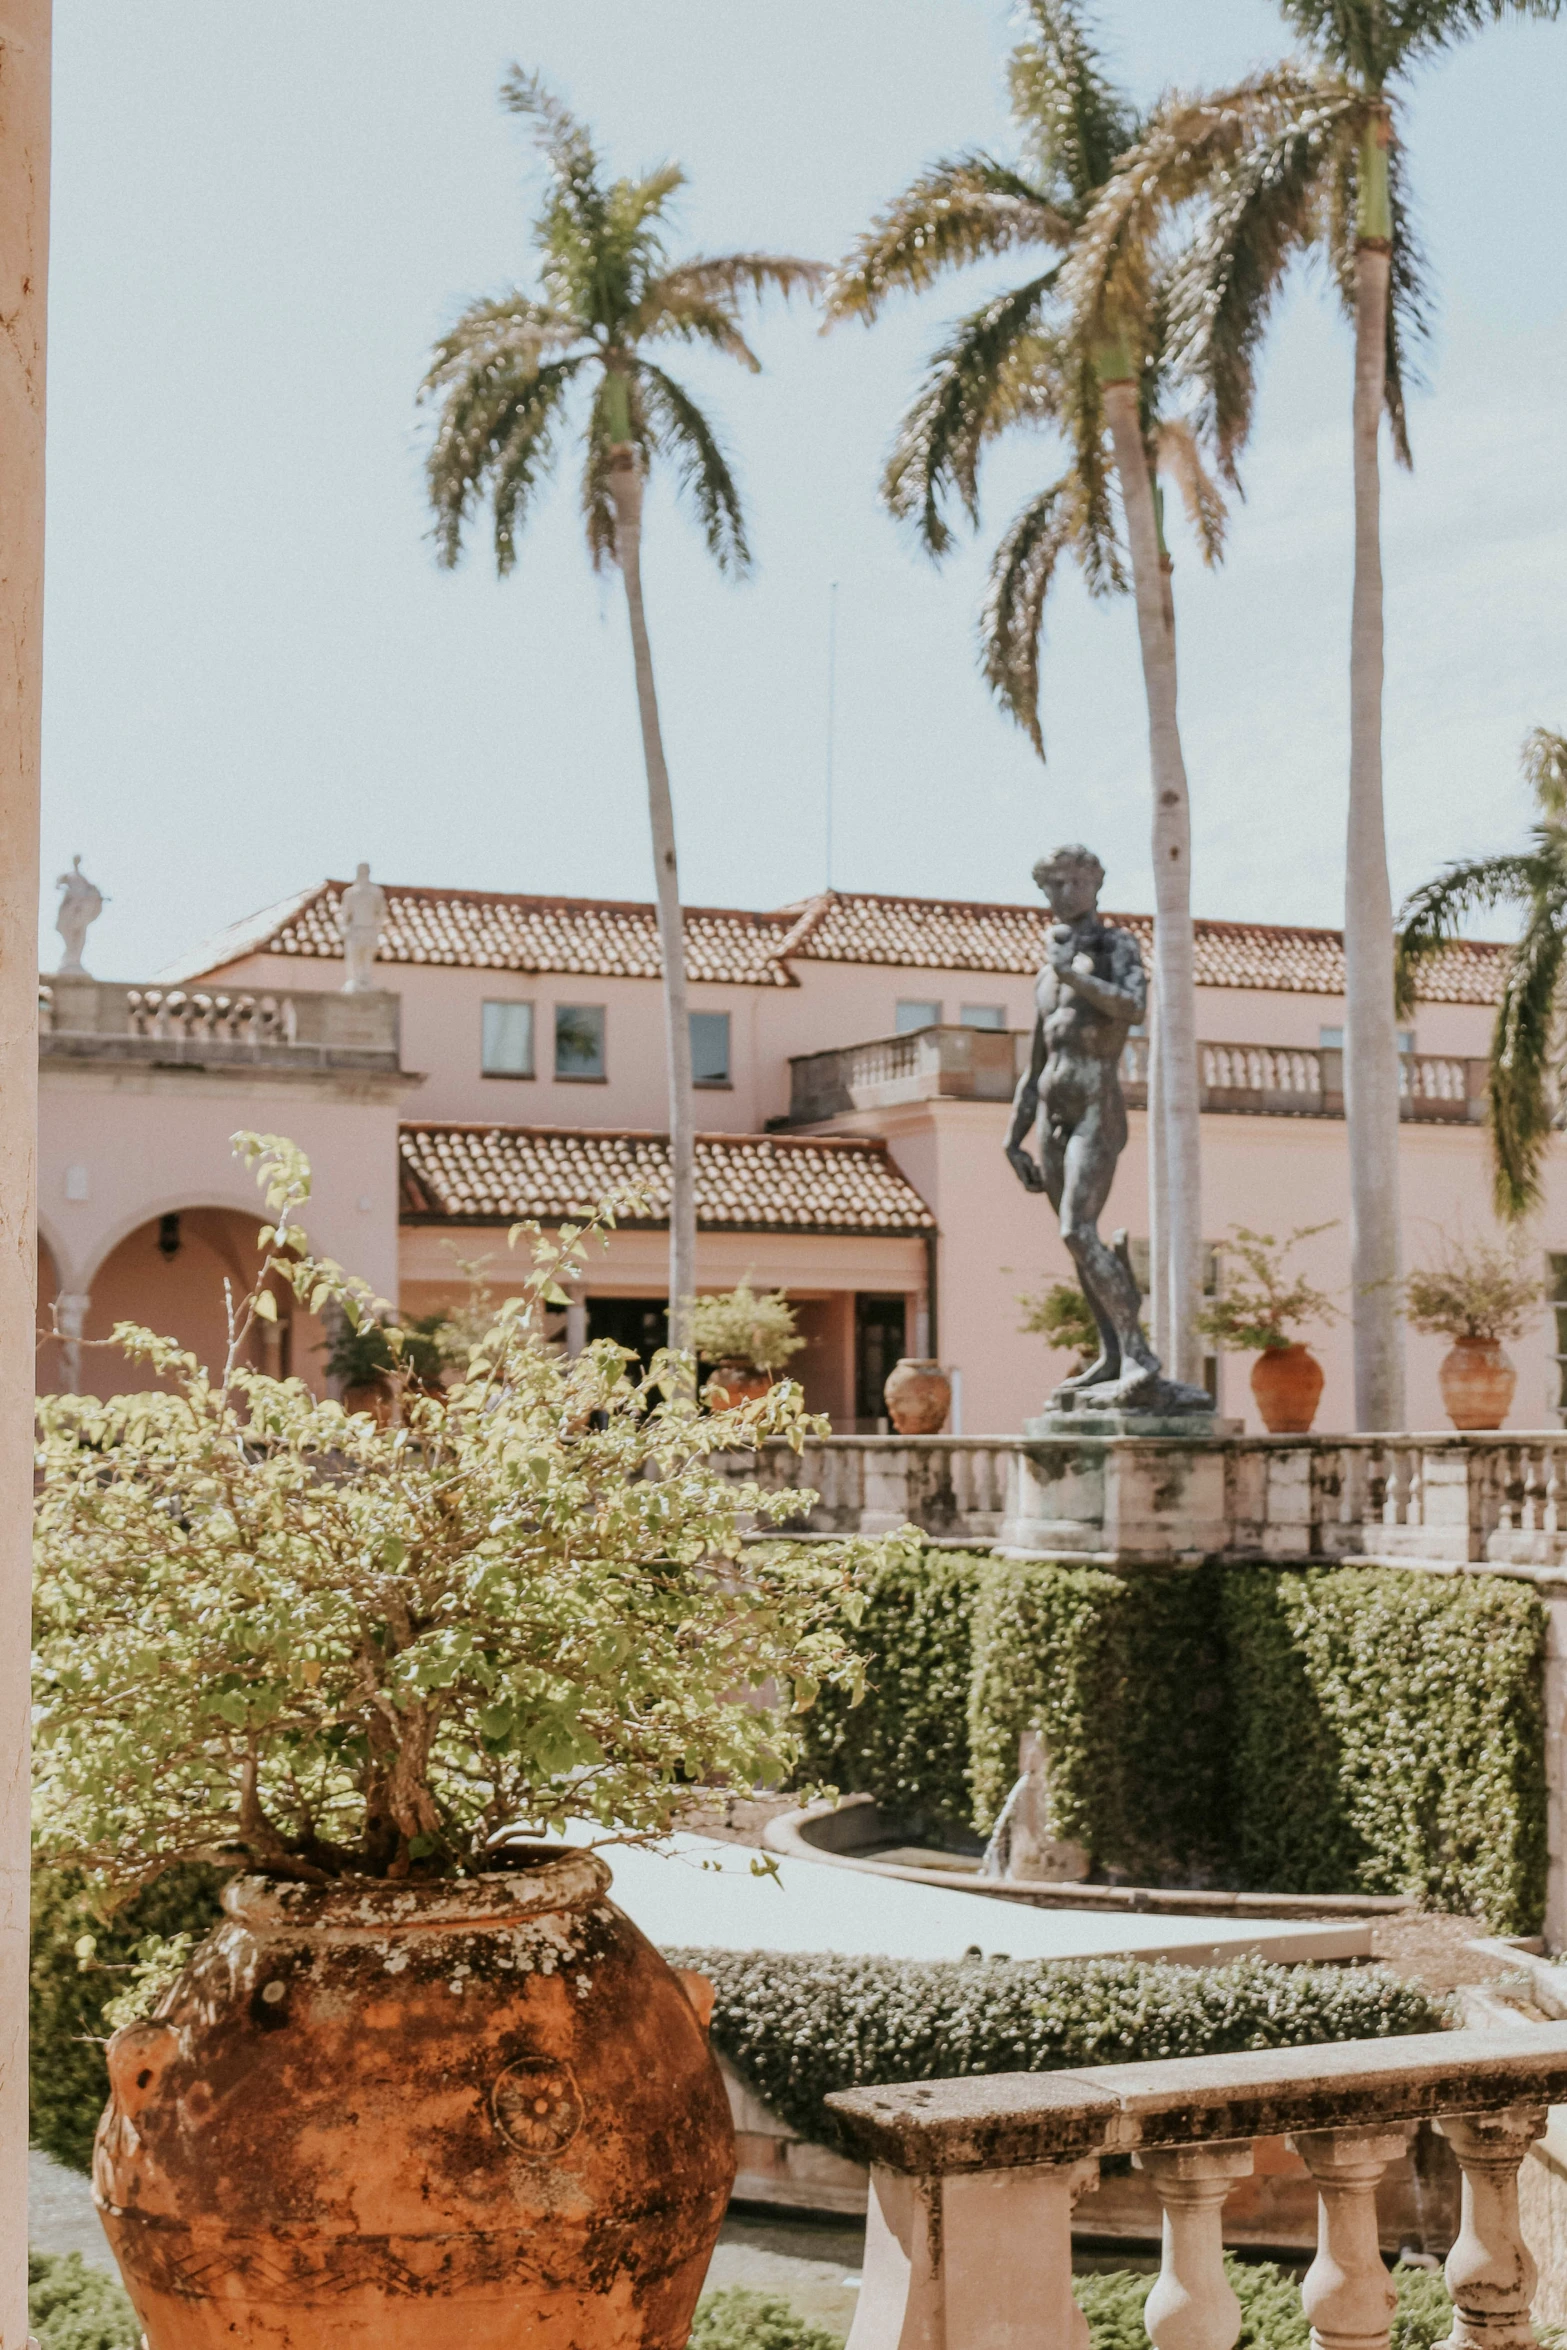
x=373, y=2163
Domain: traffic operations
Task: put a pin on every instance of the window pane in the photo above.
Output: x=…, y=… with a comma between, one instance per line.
x=984, y=1015
x=710, y=1048
x=579, y=1040
x=915, y=1015
x=508, y=1040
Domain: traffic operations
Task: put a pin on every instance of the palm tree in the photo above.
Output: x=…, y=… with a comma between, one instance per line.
x=504, y=380
x=1012, y=363
x=1308, y=156
x=1526, y=1041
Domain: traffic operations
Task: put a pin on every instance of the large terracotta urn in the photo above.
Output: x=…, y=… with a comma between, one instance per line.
x=736, y=1383
x=919, y=1396
x=1478, y=1381
x=1287, y=1383
x=475, y=2114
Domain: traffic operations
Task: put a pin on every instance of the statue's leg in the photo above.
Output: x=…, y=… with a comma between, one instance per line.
x=1107, y=1280
x=1054, y=1141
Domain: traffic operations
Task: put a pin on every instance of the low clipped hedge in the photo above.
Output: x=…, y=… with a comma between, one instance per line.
x=796, y=2028
x=1295, y=1730
x=73, y=2307
x=1271, y=2314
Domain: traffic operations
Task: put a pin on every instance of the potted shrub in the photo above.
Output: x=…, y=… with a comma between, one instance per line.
x=747, y=1337
x=360, y=1357
x=1258, y=1309
x=425, y=2085
x=1476, y=1296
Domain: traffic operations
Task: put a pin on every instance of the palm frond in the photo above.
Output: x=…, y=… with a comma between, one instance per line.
x=1193, y=147
x=1264, y=209
x=1177, y=454
x=663, y=313
x=939, y=440
x=966, y=208
x=1011, y=620
x=1074, y=121
x=507, y=332
x=699, y=300
x=1376, y=39
x=1522, y=1049
x=567, y=143
x=1435, y=913
x=1544, y=761
x=729, y=276
x=682, y=434
x=495, y=435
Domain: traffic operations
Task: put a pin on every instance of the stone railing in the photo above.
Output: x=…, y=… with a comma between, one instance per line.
x=1255, y=1080
x=97, y=1020
x=1447, y=1500
x=964, y=1064
x=973, y=2183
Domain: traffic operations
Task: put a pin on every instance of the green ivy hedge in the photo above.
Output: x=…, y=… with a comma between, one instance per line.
x=1303, y=1730
x=799, y=2027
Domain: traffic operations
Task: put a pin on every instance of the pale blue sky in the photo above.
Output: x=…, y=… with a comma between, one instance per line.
x=256, y=674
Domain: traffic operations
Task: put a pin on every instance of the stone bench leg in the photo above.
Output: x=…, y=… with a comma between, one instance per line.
x=980, y=2261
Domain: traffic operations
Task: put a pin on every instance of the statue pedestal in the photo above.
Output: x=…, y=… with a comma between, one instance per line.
x=1119, y=1489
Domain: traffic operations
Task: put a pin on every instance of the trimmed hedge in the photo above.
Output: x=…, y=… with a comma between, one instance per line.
x=798, y=2027
x=1390, y=1736
x=738, y=2319
x=69, y=2082
x=73, y=2307
x=1302, y=1730
x=907, y=1741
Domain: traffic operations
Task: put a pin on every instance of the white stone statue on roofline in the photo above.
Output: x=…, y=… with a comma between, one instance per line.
x=361, y=918
x=79, y=909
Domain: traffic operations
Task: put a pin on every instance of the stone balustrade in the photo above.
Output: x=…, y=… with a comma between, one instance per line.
x=82, y=1019
x=973, y=2184
x=1448, y=1500
x=1254, y=1080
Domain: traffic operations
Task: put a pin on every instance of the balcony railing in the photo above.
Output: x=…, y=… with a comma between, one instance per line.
x=97, y=1020
x=1257, y=1080
x=973, y=2183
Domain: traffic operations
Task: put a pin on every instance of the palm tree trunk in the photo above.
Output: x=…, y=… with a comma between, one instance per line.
x=1158, y=1194
x=1370, y=1036
x=625, y=474
x=1175, y=967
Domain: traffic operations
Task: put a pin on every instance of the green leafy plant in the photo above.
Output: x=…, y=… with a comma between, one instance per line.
x=798, y=2026
x=1271, y=2314
x=271, y=1634
x=1060, y=1314
x=738, y=1326
x=739, y=2319
x=1258, y=1308
x=1479, y=1290
x=73, y=2307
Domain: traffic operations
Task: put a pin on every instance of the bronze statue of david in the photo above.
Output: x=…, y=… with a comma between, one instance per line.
x=1091, y=992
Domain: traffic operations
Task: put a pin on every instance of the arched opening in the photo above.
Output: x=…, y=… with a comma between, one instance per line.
x=170, y=1275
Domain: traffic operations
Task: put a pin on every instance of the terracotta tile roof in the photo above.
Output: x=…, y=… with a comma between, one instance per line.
x=745, y=1182
x=959, y=935
x=493, y=930
x=497, y=931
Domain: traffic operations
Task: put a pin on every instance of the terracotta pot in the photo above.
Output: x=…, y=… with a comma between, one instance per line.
x=465, y=2115
x=736, y=1383
x=1287, y=1382
x=919, y=1395
x=373, y=1396
x=1478, y=1381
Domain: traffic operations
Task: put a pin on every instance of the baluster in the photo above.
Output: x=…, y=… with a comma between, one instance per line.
x=960, y=1468
x=1489, y=2271
x=1192, y=2307
x=1512, y=1490
x=1401, y=1483
x=1346, y=2293
x=1553, y=1490
x=1535, y=1491
x=1376, y=1484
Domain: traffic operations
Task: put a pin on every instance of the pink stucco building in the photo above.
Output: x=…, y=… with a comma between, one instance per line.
x=856, y=1059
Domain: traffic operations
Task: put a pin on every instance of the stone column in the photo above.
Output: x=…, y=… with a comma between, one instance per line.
x=25, y=29
x=1193, y=2307
x=1490, y=2273
x=1346, y=2293
x=978, y=2261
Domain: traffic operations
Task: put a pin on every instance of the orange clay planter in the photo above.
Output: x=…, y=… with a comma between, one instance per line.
x=1287, y=1383
x=1478, y=1383
x=475, y=2114
x=737, y=1383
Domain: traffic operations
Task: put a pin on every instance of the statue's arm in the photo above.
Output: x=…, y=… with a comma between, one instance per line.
x=1025, y=1109
x=1124, y=995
